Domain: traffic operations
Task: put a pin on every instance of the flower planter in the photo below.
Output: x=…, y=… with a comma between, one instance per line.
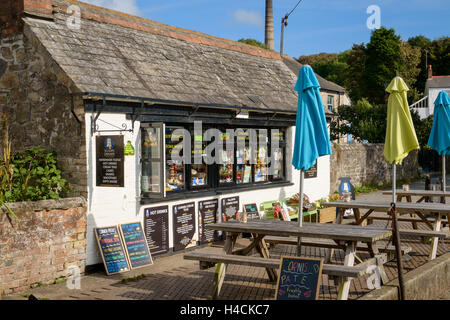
x=325, y=215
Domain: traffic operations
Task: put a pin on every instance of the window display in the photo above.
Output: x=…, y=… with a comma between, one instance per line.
x=174, y=165
x=243, y=158
x=261, y=167
x=199, y=171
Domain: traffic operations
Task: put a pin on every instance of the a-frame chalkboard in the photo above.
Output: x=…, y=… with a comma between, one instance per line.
x=112, y=250
x=299, y=278
x=136, y=246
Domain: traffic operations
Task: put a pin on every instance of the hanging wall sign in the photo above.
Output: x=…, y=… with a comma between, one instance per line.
x=207, y=214
x=184, y=226
x=136, y=245
x=156, y=224
x=111, y=250
x=110, y=164
x=230, y=209
x=311, y=173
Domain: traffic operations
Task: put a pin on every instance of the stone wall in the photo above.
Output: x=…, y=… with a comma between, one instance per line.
x=365, y=165
x=35, y=95
x=48, y=238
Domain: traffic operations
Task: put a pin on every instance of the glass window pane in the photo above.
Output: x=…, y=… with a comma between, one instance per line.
x=151, y=139
x=175, y=176
x=151, y=176
x=199, y=169
x=243, y=157
x=226, y=161
x=277, y=145
x=261, y=167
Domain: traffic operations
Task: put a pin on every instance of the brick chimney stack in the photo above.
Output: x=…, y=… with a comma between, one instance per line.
x=430, y=72
x=12, y=12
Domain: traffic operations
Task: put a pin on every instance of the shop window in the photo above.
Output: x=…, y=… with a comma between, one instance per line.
x=247, y=157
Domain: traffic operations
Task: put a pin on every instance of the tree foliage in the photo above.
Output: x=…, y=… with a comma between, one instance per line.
x=254, y=43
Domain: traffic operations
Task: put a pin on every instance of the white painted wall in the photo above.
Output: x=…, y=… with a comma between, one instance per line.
x=113, y=206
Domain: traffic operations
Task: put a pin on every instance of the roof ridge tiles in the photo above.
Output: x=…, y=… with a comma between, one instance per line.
x=104, y=15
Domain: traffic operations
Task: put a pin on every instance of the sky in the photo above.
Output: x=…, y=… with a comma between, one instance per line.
x=315, y=26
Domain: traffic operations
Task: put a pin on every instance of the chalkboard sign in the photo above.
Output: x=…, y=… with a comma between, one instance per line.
x=252, y=211
x=156, y=224
x=136, y=245
x=184, y=226
x=312, y=172
x=230, y=209
x=207, y=214
x=111, y=250
x=299, y=278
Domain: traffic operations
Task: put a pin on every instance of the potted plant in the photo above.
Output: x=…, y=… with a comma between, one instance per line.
x=328, y=214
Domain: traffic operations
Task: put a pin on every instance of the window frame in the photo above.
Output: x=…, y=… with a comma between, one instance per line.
x=213, y=182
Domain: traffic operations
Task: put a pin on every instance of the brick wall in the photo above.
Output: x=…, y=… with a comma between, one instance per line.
x=11, y=12
x=49, y=237
x=365, y=164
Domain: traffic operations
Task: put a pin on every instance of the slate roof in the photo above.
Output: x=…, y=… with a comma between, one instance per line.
x=162, y=63
x=438, y=82
x=295, y=66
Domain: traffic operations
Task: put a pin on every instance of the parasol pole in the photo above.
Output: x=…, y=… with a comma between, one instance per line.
x=396, y=234
x=300, y=211
x=443, y=173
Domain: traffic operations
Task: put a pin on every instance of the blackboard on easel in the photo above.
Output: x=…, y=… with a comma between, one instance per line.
x=112, y=250
x=136, y=246
x=252, y=210
x=299, y=278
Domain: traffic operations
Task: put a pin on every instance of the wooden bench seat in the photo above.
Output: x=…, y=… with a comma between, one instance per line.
x=328, y=243
x=208, y=260
x=399, y=219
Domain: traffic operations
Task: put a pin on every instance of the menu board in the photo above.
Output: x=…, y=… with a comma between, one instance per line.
x=135, y=245
x=111, y=250
x=207, y=214
x=110, y=161
x=156, y=224
x=184, y=226
x=230, y=209
x=252, y=211
x=311, y=173
x=299, y=278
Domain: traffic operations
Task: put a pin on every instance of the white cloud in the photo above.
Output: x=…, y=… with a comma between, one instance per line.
x=127, y=6
x=252, y=18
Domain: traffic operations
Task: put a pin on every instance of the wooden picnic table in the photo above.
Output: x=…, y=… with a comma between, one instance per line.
x=437, y=210
x=423, y=194
x=345, y=236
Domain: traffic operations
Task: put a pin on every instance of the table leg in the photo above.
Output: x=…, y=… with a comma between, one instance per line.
x=375, y=253
x=344, y=285
x=262, y=249
x=221, y=268
x=435, y=241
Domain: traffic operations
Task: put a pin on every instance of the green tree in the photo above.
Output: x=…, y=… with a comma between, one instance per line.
x=354, y=75
x=382, y=64
x=254, y=42
x=362, y=120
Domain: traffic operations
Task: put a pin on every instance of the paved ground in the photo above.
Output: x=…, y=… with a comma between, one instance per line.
x=173, y=278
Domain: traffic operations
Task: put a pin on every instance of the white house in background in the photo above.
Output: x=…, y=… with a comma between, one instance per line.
x=434, y=85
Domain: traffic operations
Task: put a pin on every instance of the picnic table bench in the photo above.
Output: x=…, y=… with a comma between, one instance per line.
x=329, y=244
x=346, y=237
